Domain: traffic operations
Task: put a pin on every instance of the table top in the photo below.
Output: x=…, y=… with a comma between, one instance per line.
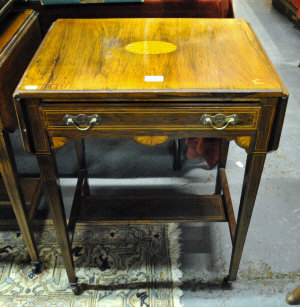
x=7, y=33
x=100, y=58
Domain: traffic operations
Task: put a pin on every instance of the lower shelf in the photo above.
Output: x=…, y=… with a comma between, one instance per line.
x=28, y=185
x=122, y=209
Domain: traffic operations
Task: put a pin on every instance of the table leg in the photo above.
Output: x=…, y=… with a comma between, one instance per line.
x=254, y=168
x=48, y=170
x=12, y=184
x=223, y=153
x=80, y=152
x=176, y=155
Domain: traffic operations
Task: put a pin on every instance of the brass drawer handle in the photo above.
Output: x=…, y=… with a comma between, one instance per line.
x=82, y=119
x=219, y=120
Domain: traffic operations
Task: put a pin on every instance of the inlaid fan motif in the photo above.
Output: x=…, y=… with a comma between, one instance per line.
x=150, y=140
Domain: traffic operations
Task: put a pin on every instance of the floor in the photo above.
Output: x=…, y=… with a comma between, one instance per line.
x=270, y=265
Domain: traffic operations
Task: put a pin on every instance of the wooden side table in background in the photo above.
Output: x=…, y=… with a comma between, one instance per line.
x=19, y=38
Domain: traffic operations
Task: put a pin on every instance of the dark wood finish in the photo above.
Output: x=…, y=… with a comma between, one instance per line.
x=15, y=22
x=52, y=190
x=278, y=123
x=40, y=141
x=53, y=75
x=80, y=152
x=254, y=168
x=228, y=203
x=28, y=186
x=155, y=116
x=124, y=209
x=265, y=129
x=76, y=205
x=287, y=8
x=281, y=106
x=18, y=41
x=22, y=125
x=35, y=200
x=10, y=178
x=176, y=155
x=19, y=38
x=5, y=7
x=218, y=67
x=223, y=153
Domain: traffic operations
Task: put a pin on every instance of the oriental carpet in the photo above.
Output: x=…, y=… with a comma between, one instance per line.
x=125, y=265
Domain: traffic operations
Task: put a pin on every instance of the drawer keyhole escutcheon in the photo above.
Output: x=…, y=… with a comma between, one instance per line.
x=82, y=120
x=219, y=121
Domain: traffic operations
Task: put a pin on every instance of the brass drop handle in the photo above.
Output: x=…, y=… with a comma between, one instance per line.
x=219, y=121
x=82, y=119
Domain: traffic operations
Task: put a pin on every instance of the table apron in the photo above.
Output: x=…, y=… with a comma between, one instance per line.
x=175, y=121
x=171, y=133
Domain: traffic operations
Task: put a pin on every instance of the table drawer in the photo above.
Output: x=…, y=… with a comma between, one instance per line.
x=171, y=117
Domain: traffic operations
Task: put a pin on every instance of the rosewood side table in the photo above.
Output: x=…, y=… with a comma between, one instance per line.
x=20, y=36
x=172, y=78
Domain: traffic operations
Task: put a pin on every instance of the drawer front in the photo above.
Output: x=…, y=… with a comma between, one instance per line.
x=153, y=118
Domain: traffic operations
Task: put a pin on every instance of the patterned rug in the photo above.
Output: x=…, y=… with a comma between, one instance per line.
x=118, y=266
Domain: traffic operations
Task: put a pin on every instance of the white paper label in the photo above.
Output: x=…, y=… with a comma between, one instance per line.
x=239, y=164
x=154, y=78
x=31, y=87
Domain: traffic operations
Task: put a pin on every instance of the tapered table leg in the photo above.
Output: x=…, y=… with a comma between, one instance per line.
x=223, y=153
x=176, y=155
x=254, y=168
x=80, y=152
x=12, y=184
x=48, y=170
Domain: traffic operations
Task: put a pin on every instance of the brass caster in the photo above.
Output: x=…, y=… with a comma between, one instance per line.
x=77, y=290
x=226, y=284
x=225, y=280
x=37, y=267
x=293, y=298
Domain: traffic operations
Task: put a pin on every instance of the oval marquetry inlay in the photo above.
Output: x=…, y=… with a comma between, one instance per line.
x=150, y=140
x=150, y=47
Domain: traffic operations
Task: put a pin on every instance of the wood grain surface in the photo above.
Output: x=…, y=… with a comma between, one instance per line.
x=20, y=36
x=218, y=66
x=16, y=21
x=120, y=208
x=28, y=186
x=90, y=55
x=151, y=116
